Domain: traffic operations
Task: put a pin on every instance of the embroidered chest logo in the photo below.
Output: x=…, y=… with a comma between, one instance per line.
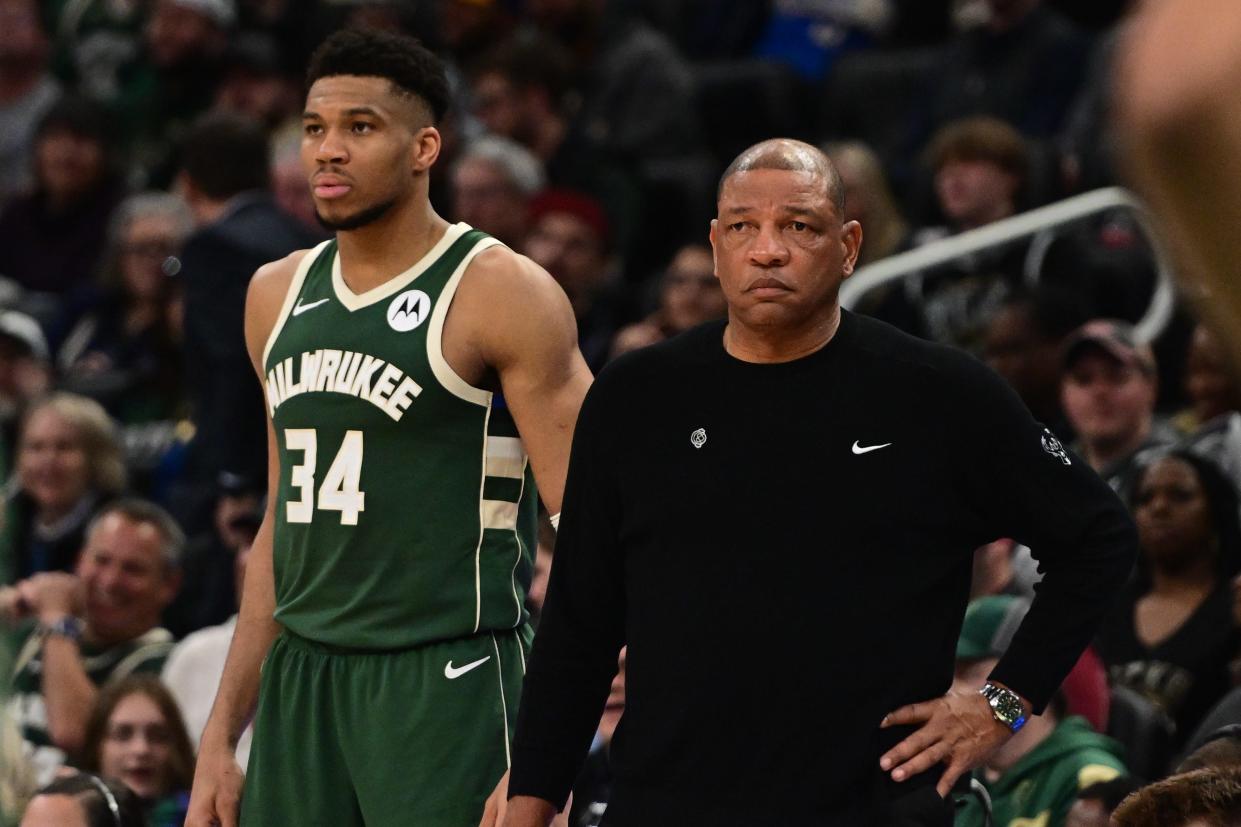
x=1052, y=446
x=698, y=438
x=408, y=310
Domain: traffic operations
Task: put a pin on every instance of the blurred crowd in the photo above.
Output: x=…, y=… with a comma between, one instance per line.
x=150, y=162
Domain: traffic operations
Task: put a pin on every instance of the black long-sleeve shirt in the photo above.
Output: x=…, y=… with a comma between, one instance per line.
x=786, y=549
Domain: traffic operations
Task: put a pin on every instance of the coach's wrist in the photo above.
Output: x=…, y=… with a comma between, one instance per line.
x=528, y=811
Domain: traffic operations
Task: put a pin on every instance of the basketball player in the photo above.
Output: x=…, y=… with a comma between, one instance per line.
x=385, y=590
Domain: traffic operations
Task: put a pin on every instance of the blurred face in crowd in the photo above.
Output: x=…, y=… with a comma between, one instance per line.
x=1107, y=401
x=362, y=145
x=24, y=45
x=128, y=583
x=569, y=249
x=1087, y=812
x=1029, y=362
x=1173, y=515
x=691, y=292
x=973, y=193
x=781, y=250
x=54, y=811
x=52, y=465
x=177, y=33
x=69, y=165
x=484, y=197
x=137, y=746
x=501, y=107
x=266, y=97
x=146, y=243
x=1208, y=379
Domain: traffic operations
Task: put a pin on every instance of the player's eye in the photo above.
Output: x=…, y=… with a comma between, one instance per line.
x=312, y=129
x=362, y=127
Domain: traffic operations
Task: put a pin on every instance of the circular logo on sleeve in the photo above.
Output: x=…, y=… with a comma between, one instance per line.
x=408, y=310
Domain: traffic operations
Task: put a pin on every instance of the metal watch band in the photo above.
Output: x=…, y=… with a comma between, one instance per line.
x=1006, y=706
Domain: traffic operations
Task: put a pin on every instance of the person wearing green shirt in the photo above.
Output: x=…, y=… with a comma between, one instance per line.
x=1034, y=777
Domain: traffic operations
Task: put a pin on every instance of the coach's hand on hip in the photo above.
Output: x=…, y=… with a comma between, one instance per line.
x=958, y=730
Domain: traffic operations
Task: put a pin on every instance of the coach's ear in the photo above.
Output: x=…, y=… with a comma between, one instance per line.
x=426, y=149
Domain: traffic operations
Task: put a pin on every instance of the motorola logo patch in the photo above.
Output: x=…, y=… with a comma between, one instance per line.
x=408, y=310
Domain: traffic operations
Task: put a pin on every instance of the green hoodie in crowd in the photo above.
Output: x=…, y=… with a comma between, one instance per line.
x=1038, y=790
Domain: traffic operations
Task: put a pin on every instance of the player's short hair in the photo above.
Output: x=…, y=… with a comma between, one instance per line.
x=1212, y=796
x=225, y=153
x=795, y=156
x=137, y=510
x=411, y=68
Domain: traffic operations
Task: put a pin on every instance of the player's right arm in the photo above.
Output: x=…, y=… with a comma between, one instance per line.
x=218, y=778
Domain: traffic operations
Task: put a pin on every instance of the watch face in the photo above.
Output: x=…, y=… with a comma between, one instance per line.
x=1008, y=706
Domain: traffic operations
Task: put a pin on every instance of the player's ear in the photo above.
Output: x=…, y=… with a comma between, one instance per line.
x=426, y=148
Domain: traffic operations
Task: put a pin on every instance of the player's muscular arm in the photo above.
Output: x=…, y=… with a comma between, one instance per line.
x=217, y=780
x=523, y=329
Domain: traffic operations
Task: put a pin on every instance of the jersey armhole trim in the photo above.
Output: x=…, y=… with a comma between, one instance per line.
x=295, y=290
x=444, y=373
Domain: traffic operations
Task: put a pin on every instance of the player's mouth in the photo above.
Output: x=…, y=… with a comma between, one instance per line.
x=329, y=186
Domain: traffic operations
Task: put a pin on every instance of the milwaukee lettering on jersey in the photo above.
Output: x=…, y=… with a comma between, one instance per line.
x=367, y=377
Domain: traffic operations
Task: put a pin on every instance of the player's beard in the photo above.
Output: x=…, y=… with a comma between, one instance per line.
x=367, y=215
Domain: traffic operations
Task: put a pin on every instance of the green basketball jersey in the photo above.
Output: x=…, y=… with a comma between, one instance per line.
x=406, y=507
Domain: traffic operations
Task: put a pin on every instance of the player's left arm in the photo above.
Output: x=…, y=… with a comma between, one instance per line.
x=526, y=333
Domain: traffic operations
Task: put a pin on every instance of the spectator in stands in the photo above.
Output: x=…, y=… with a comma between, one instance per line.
x=869, y=200
x=1171, y=634
x=569, y=237
x=1108, y=391
x=689, y=295
x=1213, y=421
x=82, y=800
x=1024, y=64
x=25, y=375
x=288, y=180
x=1024, y=343
x=1202, y=798
x=196, y=665
x=522, y=89
x=212, y=589
x=96, y=626
x=1221, y=748
x=493, y=182
x=68, y=464
x=124, y=353
x=27, y=91
x=1095, y=803
x=54, y=236
x=255, y=82
x=225, y=177
x=182, y=64
x=136, y=735
x=980, y=167
x=1034, y=777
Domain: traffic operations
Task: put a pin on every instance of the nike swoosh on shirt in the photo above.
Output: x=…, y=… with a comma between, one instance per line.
x=453, y=672
x=858, y=449
x=302, y=308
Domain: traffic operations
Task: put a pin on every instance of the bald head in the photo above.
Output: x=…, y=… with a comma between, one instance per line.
x=791, y=155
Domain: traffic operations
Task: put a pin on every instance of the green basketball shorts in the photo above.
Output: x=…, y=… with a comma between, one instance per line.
x=416, y=738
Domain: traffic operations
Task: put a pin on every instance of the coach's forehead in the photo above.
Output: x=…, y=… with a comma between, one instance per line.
x=791, y=156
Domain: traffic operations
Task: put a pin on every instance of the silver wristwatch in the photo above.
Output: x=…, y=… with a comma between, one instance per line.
x=67, y=627
x=1006, y=706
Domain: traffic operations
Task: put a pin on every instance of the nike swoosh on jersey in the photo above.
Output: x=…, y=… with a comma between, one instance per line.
x=858, y=449
x=453, y=672
x=302, y=308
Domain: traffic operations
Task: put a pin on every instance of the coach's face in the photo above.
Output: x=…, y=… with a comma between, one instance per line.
x=363, y=148
x=781, y=248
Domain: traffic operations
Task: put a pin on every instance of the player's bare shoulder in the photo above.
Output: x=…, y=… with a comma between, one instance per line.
x=506, y=300
x=265, y=297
